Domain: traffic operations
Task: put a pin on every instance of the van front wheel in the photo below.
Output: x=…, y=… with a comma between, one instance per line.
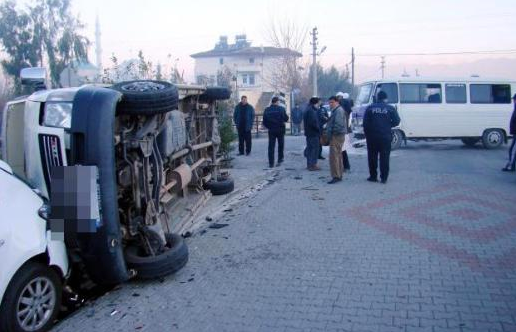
x=493, y=138
x=397, y=138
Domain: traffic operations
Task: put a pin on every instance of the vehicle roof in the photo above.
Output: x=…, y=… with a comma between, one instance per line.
x=67, y=94
x=429, y=79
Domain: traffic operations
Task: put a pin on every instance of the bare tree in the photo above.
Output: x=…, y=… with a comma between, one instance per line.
x=286, y=33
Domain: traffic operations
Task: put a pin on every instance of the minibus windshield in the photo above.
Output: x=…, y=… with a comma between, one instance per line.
x=364, y=94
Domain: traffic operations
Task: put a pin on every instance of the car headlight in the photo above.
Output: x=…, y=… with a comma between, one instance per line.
x=58, y=115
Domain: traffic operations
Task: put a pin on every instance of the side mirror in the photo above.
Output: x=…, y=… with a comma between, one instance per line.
x=35, y=77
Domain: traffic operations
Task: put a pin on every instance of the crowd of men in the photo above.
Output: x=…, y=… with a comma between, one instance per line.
x=330, y=127
x=323, y=127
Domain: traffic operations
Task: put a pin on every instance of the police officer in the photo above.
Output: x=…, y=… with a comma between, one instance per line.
x=511, y=164
x=379, y=118
x=274, y=119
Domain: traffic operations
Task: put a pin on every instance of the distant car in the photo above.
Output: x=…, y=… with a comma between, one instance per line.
x=34, y=265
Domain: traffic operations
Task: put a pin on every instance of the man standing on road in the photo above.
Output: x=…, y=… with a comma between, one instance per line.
x=511, y=164
x=347, y=105
x=274, y=119
x=297, y=118
x=243, y=117
x=312, y=133
x=336, y=129
x=379, y=118
x=322, y=116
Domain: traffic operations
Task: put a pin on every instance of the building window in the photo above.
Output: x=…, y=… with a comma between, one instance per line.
x=456, y=93
x=251, y=79
x=221, y=61
x=251, y=60
x=420, y=93
x=244, y=78
x=490, y=93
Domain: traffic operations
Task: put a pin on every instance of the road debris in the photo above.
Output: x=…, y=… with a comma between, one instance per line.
x=217, y=226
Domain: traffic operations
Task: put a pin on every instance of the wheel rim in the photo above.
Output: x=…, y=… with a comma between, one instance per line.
x=494, y=138
x=143, y=86
x=36, y=304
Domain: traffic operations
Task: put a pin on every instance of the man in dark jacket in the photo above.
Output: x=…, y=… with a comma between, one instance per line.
x=243, y=117
x=379, y=118
x=322, y=115
x=274, y=119
x=312, y=133
x=511, y=164
x=297, y=118
x=347, y=105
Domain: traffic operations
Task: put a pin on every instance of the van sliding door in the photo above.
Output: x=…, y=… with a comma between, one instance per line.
x=422, y=112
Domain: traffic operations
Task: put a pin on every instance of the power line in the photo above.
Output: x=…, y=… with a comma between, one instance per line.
x=512, y=51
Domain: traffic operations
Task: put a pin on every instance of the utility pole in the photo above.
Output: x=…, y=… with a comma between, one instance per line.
x=314, y=61
x=383, y=66
x=352, y=73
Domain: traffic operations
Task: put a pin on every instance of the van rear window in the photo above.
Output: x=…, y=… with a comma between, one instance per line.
x=490, y=93
x=420, y=93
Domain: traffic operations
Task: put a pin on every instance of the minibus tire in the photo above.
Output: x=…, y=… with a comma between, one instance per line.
x=215, y=93
x=397, y=139
x=168, y=262
x=160, y=97
x=222, y=186
x=493, y=138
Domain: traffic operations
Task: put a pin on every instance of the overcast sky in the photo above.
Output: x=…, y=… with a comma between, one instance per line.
x=180, y=28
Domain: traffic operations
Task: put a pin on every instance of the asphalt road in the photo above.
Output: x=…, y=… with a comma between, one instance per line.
x=432, y=250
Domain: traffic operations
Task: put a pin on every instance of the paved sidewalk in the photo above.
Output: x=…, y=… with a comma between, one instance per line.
x=433, y=250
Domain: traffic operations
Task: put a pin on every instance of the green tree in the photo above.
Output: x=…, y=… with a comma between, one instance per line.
x=45, y=33
x=17, y=38
x=329, y=81
x=226, y=131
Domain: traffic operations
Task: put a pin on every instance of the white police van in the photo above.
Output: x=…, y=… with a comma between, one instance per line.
x=471, y=109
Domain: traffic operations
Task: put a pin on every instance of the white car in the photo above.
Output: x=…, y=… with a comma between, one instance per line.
x=33, y=265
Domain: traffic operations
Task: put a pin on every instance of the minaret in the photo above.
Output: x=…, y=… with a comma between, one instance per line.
x=98, y=46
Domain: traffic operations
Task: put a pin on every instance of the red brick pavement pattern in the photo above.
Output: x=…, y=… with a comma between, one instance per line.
x=436, y=208
x=467, y=214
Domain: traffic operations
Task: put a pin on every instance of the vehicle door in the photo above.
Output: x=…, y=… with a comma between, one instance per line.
x=422, y=113
x=458, y=116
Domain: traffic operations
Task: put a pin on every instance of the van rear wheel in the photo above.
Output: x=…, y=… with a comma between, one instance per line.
x=493, y=138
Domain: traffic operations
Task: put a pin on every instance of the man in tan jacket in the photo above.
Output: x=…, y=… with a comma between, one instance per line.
x=336, y=129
